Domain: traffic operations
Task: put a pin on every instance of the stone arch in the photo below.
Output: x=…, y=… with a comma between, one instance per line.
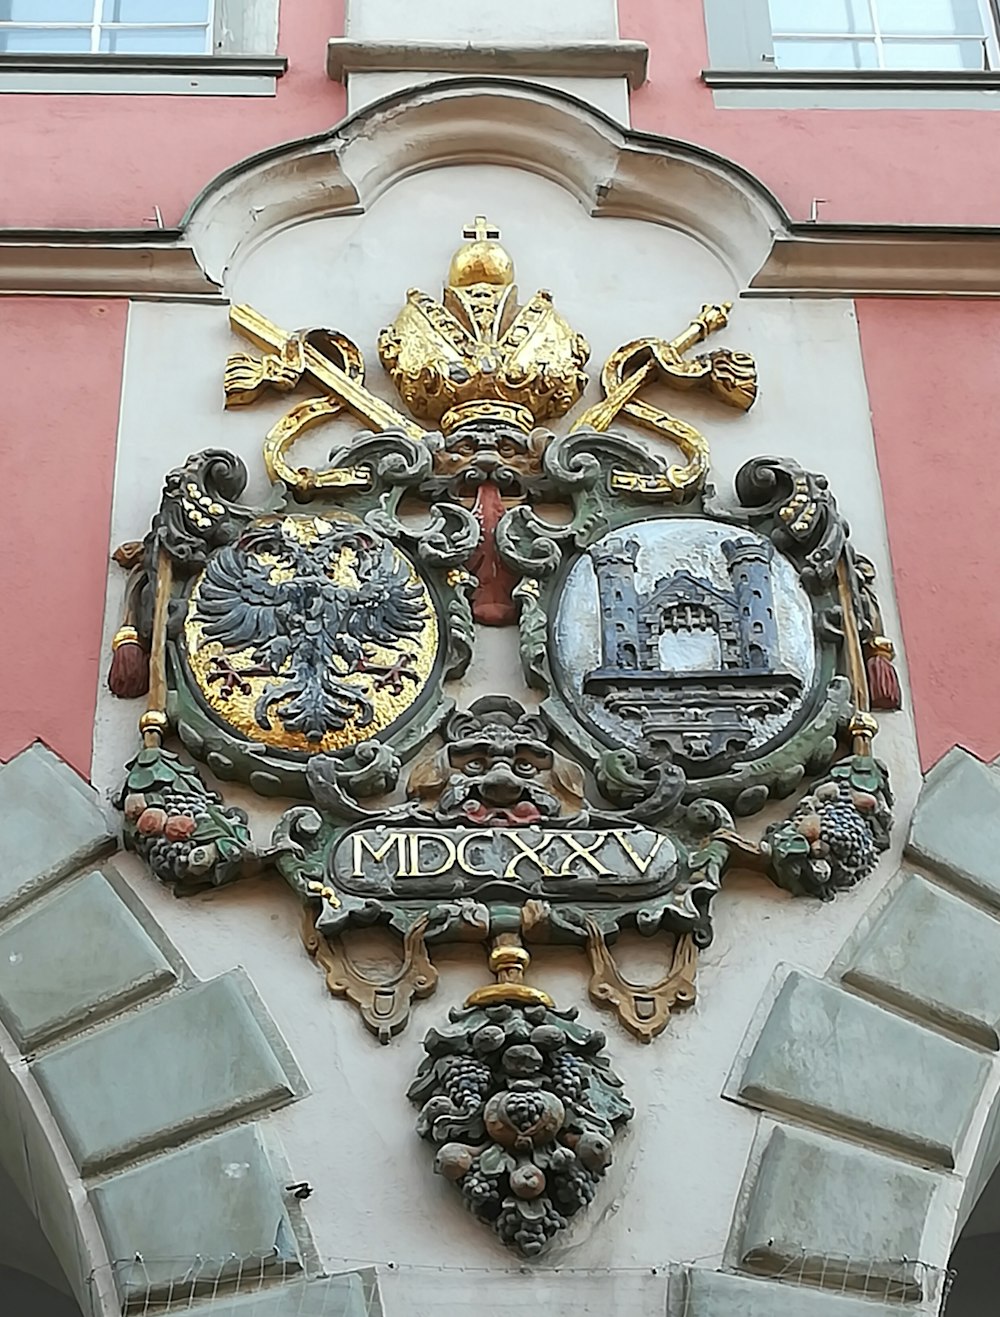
x=878, y=1084
x=133, y=1148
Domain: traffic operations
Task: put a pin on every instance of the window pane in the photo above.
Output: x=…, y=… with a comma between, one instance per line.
x=826, y=16
x=155, y=41
x=47, y=11
x=934, y=55
x=156, y=11
x=825, y=55
x=41, y=40
x=936, y=17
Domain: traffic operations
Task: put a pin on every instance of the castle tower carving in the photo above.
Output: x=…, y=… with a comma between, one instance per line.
x=702, y=715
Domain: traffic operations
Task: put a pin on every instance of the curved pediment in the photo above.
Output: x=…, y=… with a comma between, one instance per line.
x=609, y=170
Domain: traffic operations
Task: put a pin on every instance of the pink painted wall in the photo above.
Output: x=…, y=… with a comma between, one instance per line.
x=106, y=161
x=931, y=367
x=63, y=358
x=880, y=166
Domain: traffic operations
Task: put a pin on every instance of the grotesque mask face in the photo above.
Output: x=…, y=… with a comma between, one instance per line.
x=498, y=770
x=501, y=454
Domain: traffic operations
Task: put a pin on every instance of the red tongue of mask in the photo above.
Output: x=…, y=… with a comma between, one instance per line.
x=523, y=812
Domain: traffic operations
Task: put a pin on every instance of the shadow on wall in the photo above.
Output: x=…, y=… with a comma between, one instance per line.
x=975, y=1260
x=24, y=1294
x=36, y=1286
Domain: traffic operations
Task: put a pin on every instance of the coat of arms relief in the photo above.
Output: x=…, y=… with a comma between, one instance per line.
x=686, y=661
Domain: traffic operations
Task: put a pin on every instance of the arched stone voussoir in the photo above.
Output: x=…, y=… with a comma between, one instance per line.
x=899, y=1084
x=956, y=825
x=610, y=170
x=132, y=1096
x=722, y=1294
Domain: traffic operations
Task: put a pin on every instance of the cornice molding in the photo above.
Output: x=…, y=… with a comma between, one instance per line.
x=611, y=171
x=133, y=263
x=532, y=59
x=856, y=260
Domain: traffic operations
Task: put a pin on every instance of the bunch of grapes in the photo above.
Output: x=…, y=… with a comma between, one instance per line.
x=466, y=1083
x=574, y=1187
x=524, y=1110
x=528, y=1235
x=845, y=831
x=482, y=1196
x=168, y=855
x=568, y=1077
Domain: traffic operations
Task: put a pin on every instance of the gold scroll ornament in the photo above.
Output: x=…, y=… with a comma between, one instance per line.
x=731, y=377
x=288, y=359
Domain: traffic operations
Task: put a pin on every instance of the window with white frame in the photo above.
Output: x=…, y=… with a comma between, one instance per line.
x=113, y=27
x=884, y=34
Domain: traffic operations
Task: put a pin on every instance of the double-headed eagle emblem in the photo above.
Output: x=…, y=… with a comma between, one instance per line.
x=317, y=606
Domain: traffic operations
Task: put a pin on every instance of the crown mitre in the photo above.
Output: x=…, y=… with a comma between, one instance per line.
x=477, y=355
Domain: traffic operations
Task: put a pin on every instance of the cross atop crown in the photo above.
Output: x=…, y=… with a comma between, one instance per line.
x=480, y=230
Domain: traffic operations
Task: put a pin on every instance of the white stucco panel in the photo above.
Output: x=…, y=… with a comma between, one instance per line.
x=672, y=1189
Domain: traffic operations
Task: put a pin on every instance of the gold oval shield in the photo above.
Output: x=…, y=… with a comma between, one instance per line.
x=282, y=628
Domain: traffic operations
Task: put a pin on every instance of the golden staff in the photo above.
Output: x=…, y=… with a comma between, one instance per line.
x=153, y=722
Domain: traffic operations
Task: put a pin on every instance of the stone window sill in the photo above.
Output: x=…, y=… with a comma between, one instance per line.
x=854, y=79
x=136, y=75
x=580, y=59
x=768, y=88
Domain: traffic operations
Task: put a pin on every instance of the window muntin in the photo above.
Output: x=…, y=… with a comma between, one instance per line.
x=147, y=27
x=884, y=34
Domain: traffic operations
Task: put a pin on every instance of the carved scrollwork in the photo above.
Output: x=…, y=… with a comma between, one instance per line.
x=198, y=512
x=807, y=527
x=383, y=1002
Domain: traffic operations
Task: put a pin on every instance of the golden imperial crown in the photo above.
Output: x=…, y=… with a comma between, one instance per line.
x=477, y=355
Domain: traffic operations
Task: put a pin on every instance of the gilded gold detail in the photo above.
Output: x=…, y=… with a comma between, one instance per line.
x=731, y=377
x=508, y=961
x=882, y=646
x=480, y=355
x=494, y=994
x=237, y=707
x=125, y=635
x=310, y=355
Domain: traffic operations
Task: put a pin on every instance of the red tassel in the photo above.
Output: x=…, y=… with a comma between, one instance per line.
x=492, y=604
x=884, y=692
x=128, y=676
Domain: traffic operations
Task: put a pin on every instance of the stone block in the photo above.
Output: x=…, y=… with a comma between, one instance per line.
x=213, y=1209
x=334, y=1296
x=934, y=955
x=50, y=824
x=186, y=1063
x=506, y=1292
x=828, y=1056
x=837, y=1214
x=72, y=957
x=956, y=825
x=718, y=1294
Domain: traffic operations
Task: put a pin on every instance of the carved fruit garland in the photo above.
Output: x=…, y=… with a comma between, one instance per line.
x=523, y=1106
